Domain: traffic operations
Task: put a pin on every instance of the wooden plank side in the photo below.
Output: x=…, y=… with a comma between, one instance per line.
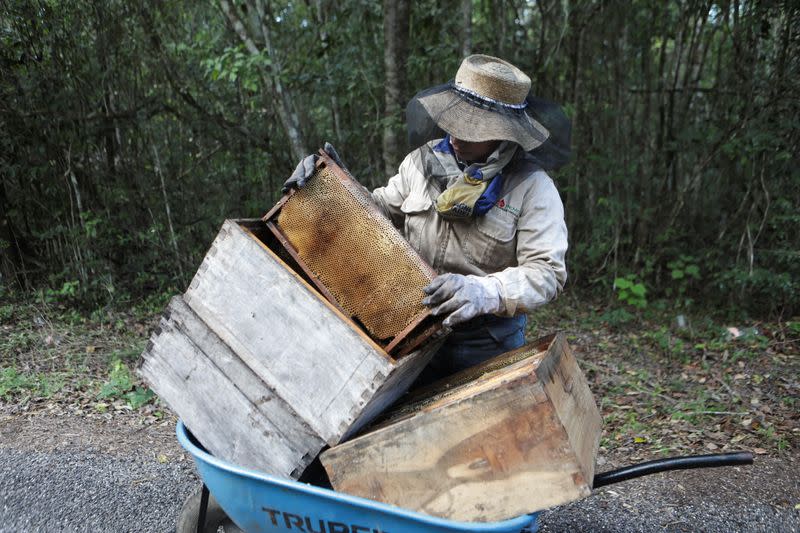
x=491, y=456
x=227, y=423
x=569, y=392
x=287, y=423
x=401, y=378
x=498, y=362
x=291, y=338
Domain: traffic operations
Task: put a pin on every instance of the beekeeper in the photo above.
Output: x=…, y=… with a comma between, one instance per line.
x=479, y=207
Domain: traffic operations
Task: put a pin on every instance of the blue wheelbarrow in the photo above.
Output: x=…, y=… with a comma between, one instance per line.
x=238, y=499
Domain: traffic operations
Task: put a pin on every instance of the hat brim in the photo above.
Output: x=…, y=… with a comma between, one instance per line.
x=465, y=120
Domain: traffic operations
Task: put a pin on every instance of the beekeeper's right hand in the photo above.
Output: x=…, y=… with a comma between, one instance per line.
x=305, y=168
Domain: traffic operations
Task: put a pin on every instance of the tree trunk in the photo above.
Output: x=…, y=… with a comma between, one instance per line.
x=11, y=260
x=283, y=101
x=168, y=211
x=320, y=13
x=395, y=36
x=466, y=28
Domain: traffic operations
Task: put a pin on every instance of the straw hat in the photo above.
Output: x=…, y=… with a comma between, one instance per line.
x=486, y=101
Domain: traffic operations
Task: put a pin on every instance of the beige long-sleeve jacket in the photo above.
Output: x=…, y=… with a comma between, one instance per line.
x=521, y=240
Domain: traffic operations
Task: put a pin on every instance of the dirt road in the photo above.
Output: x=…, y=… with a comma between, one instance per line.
x=73, y=473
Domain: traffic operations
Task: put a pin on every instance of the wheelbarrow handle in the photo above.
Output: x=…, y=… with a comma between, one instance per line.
x=672, y=463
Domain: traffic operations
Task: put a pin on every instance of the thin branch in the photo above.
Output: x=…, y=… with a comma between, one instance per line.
x=169, y=213
x=766, y=196
x=284, y=107
x=673, y=90
x=184, y=93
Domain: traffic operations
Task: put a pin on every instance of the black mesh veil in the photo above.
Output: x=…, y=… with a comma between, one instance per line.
x=445, y=109
x=421, y=126
x=556, y=151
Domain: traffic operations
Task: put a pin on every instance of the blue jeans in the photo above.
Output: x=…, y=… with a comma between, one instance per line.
x=472, y=343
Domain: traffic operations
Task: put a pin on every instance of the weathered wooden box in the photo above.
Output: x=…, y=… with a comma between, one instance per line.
x=263, y=369
x=515, y=435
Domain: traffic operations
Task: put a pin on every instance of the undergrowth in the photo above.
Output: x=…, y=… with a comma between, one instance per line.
x=664, y=378
x=53, y=353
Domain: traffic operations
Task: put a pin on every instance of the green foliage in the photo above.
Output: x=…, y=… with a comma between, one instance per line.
x=684, y=267
x=139, y=397
x=669, y=343
x=6, y=312
x=39, y=385
x=684, y=271
x=129, y=132
x=235, y=64
x=631, y=291
x=761, y=288
x=153, y=303
x=66, y=293
x=121, y=385
x=617, y=317
x=11, y=382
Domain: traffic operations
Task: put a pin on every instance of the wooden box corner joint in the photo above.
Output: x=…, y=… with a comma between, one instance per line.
x=261, y=368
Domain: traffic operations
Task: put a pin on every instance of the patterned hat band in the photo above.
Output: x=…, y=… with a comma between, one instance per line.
x=485, y=101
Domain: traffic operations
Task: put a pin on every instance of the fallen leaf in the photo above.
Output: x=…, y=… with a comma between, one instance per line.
x=162, y=458
x=747, y=421
x=738, y=438
x=712, y=446
x=759, y=451
x=90, y=349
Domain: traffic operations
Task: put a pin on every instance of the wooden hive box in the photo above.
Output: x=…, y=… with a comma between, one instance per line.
x=518, y=434
x=263, y=369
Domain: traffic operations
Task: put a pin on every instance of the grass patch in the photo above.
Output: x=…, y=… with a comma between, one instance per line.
x=51, y=353
x=671, y=382
x=40, y=385
x=121, y=384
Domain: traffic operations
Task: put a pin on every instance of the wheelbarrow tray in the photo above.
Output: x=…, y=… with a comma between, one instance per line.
x=259, y=502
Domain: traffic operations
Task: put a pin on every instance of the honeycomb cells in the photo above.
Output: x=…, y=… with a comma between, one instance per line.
x=356, y=252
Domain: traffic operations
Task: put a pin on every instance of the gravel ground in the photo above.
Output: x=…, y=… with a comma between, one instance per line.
x=61, y=472
x=74, y=474
x=90, y=491
x=757, y=498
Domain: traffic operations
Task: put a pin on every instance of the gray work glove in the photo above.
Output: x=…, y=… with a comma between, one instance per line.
x=463, y=297
x=305, y=168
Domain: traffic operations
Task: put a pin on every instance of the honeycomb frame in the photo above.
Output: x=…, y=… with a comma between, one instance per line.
x=352, y=253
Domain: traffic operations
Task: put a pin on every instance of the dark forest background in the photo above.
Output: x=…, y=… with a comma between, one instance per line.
x=129, y=130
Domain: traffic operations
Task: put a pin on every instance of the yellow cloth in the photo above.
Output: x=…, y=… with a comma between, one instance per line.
x=458, y=200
